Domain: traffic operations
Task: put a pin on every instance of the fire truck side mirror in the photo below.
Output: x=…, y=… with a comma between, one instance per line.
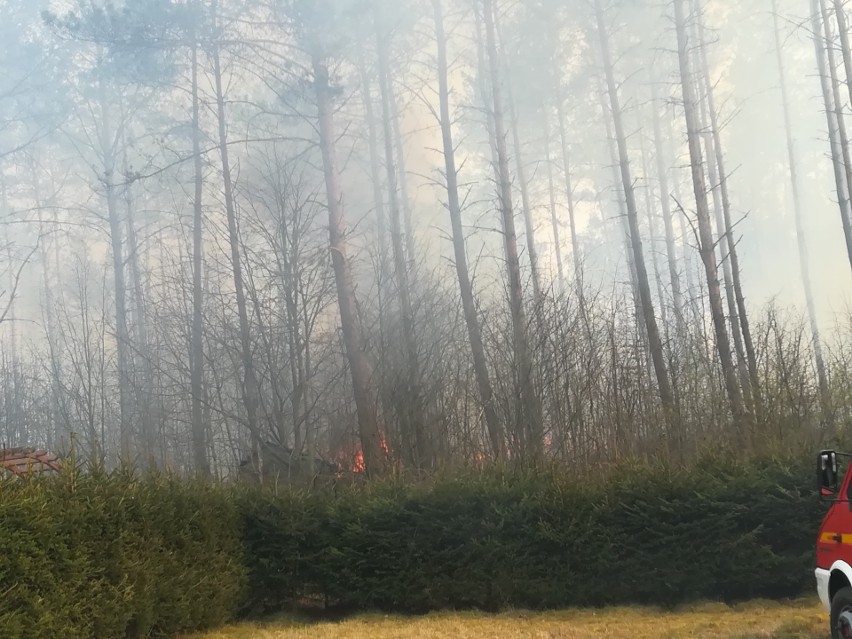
x=827, y=473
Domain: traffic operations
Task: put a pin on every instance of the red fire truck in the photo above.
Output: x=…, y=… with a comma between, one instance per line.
x=834, y=544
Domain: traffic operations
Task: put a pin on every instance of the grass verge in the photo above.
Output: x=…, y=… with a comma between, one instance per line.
x=755, y=620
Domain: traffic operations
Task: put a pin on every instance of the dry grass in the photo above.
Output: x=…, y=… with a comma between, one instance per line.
x=768, y=620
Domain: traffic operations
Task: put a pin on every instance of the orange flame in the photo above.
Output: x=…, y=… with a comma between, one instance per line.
x=358, y=463
x=354, y=462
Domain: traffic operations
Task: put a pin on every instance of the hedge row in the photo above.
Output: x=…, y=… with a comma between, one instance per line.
x=540, y=540
x=113, y=556
x=95, y=556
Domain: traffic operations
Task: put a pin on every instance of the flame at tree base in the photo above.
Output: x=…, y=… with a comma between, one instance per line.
x=354, y=462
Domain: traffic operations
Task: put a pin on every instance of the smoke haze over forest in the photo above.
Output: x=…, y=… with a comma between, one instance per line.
x=415, y=232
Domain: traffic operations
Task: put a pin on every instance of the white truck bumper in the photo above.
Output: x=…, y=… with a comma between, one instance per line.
x=822, y=578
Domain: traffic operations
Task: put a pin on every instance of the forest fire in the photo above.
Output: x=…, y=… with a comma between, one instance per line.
x=358, y=463
x=353, y=462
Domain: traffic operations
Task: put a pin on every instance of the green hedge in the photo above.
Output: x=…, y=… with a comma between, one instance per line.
x=90, y=555
x=95, y=556
x=538, y=540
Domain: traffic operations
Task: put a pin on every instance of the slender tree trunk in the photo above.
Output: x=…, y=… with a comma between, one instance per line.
x=694, y=291
x=408, y=228
x=122, y=333
x=569, y=186
x=615, y=164
x=496, y=435
x=753, y=388
x=724, y=255
x=412, y=432
x=375, y=173
x=58, y=411
x=705, y=230
x=531, y=413
x=485, y=90
x=665, y=203
x=375, y=461
x=529, y=227
x=655, y=343
x=250, y=387
x=523, y=184
x=199, y=432
x=551, y=191
x=652, y=233
x=843, y=30
x=145, y=395
x=804, y=258
x=834, y=113
x=727, y=275
x=378, y=198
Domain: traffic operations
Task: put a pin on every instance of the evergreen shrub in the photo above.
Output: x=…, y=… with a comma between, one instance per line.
x=497, y=539
x=115, y=556
x=92, y=555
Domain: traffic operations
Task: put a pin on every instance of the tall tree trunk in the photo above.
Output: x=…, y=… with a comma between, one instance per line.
x=61, y=426
x=727, y=274
x=804, y=258
x=843, y=31
x=408, y=228
x=122, y=333
x=615, y=164
x=724, y=253
x=251, y=393
x=484, y=86
x=569, y=186
x=375, y=173
x=834, y=113
x=665, y=204
x=382, y=267
x=375, y=461
x=655, y=343
x=733, y=253
x=652, y=232
x=531, y=413
x=413, y=437
x=705, y=229
x=551, y=191
x=529, y=227
x=199, y=432
x=145, y=395
x=523, y=184
x=496, y=435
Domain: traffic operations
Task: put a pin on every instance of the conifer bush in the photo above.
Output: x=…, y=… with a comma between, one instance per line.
x=536, y=540
x=97, y=555
x=91, y=555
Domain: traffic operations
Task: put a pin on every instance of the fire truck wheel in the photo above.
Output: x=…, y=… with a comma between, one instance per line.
x=841, y=614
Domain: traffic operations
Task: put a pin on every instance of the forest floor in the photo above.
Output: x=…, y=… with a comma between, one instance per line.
x=804, y=619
